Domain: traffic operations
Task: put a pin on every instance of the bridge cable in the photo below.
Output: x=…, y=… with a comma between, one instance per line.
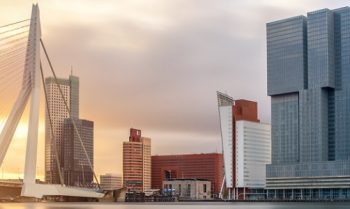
x=15, y=40
x=14, y=29
x=13, y=35
x=12, y=61
x=9, y=79
x=14, y=23
x=12, y=64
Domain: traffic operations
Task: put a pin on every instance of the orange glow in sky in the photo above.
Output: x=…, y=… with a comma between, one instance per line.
x=153, y=65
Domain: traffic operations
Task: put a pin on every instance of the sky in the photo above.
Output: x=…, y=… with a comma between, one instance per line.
x=155, y=65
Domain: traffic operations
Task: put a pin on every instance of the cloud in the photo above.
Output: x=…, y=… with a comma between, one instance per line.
x=156, y=65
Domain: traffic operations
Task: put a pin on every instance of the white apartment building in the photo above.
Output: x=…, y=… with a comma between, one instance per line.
x=253, y=152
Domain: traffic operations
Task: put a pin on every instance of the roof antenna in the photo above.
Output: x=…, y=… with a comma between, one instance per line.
x=71, y=70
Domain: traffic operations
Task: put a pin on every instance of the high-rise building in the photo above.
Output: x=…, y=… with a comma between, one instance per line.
x=246, y=147
x=76, y=167
x=189, y=166
x=308, y=72
x=137, y=162
x=253, y=153
x=58, y=113
x=146, y=169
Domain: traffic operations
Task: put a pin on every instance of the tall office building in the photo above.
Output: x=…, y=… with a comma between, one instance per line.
x=58, y=113
x=76, y=167
x=246, y=147
x=308, y=70
x=137, y=162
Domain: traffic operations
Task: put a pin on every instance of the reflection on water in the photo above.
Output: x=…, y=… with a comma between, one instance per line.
x=344, y=205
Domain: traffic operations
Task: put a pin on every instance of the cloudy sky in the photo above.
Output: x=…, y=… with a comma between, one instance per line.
x=156, y=65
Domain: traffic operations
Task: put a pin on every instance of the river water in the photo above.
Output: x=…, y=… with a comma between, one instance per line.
x=329, y=205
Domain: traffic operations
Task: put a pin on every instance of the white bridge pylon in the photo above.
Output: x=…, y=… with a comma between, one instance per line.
x=30, y=89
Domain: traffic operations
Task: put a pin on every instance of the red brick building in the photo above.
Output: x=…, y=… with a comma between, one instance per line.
x=201, y=166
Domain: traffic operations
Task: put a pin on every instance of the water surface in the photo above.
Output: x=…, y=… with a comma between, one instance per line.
x=204, y=205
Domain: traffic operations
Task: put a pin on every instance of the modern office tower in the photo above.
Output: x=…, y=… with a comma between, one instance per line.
x=246, y=147
x=308, y=70
x=75, y=164
x=109, y=182
x=58, y=113
x=190, y=166
x=137, y=162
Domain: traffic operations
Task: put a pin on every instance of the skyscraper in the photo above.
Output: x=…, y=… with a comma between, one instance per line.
x=246, y=146
x=76, y=168
x=137, y=162
x=308, y=70
x=58, y=113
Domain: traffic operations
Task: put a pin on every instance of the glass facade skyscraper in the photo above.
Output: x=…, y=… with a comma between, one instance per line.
x=62, y=138
x=58, y=112
x=308, y=70
x=75, y=165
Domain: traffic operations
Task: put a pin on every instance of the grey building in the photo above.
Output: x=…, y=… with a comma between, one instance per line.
x=76, y=168
x=308, y=72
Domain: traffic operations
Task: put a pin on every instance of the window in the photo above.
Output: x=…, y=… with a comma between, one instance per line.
x=188, y=192
x=204, y=188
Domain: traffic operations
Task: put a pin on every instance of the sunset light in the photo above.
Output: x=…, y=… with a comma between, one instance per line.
x=213, y=104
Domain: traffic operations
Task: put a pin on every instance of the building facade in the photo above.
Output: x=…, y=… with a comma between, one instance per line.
x=76, y=167
x=253, y=153
x=188, y=189
x=308, y=70
x=246, y=147
x=110, y=182
x=58, y=113
x=137, y=162
x=190, y=166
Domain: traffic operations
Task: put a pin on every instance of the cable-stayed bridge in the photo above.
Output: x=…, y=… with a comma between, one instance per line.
x=20, y=47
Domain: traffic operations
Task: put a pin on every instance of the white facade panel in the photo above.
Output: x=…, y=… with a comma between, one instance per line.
x=239, y=155
x=253, y=152
x=226, y=137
